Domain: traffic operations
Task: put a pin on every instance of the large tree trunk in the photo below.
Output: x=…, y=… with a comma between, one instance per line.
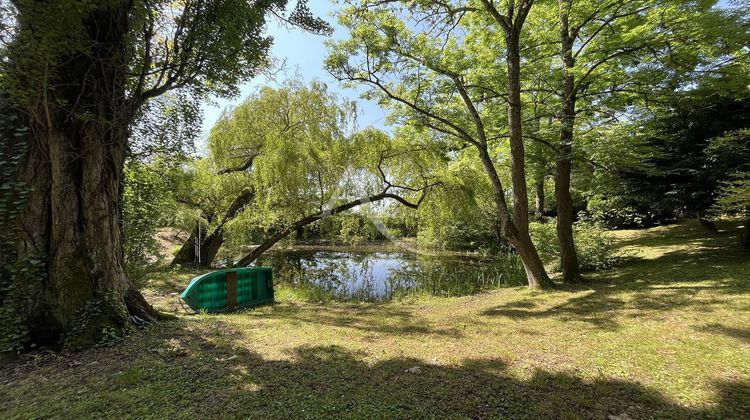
x=72, y=221
x=568, y=256
x=211, y=243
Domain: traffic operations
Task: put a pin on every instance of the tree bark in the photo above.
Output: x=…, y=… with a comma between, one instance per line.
x=517, y=229
x=539, y=199
x=517, y=150
x=535, y=273
x=74, y=164
x=211, y=243
x=568, y=256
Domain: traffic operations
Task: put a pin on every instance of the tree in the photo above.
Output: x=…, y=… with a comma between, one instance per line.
x=611, y=55
x=211, y=199
x=417, y=65
x=147, y=201
x=684, y=170
x=80, y=73
x=328, y=168
x=731, y=153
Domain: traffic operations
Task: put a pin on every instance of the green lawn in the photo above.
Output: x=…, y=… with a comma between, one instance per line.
x=665, y=335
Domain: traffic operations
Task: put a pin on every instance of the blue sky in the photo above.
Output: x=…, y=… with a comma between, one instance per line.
x=304, y=53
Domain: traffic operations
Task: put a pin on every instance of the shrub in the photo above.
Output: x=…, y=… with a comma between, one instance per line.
x=595, y=249
x=617, y=213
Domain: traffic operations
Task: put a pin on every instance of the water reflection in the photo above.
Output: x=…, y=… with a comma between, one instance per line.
x=375, y=276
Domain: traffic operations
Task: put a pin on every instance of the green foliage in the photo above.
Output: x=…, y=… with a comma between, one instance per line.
x=595, y=249
x=297, y=149
x=148, y=202
x=18, y=276
x=166, y=127
x=618, y=212
x=732, y=152
x=354, y=228
x=170, y=45
x=685, y=169
x=101, y=322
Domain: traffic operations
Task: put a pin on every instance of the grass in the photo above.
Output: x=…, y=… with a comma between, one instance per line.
x=665, y=335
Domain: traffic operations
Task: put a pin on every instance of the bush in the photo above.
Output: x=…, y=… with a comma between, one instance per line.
x=595, y=249
x=617, y=213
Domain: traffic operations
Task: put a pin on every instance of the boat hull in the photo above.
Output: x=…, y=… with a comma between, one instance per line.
x=230, y=289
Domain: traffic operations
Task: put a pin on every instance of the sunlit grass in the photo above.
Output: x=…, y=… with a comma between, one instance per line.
x=665, y=335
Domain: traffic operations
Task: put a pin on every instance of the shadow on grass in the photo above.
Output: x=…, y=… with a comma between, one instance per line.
x=371, y=317
x=732, y=332
x=699, y=278
x=208, y=379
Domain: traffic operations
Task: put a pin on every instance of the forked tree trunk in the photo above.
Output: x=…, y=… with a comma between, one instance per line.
x=306, y=220
x=571, y=272
x=72, y=222
x=211, y=244
x=536, y=275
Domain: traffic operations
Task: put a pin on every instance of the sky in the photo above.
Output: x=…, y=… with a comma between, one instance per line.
x=304, y=53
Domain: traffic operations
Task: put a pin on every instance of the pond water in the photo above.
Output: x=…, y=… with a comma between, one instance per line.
x=376, y=276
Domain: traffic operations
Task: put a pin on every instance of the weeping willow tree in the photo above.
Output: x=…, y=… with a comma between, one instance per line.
x=79, y=74
x=291, y=156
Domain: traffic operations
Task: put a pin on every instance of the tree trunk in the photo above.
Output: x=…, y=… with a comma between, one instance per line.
x=265, y=246
x=539, y=199
x=72, y=221
x=304, y=221
x=535, y=273
x=708, y=224
x=211, y=244
x=568, y=256
x=517, y=150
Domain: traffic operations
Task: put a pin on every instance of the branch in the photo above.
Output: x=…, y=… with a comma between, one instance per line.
x=283, y=233
x=242, y=167
x=501, y=19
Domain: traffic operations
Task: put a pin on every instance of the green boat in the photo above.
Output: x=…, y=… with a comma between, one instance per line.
x=230, y=289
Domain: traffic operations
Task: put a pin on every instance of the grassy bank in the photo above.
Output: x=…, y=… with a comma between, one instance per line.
x=665, y=335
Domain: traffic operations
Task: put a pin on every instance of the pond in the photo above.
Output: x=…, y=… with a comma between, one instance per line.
x=377, y=276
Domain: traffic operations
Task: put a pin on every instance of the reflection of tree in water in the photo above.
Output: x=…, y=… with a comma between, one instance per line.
x=381, y=276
